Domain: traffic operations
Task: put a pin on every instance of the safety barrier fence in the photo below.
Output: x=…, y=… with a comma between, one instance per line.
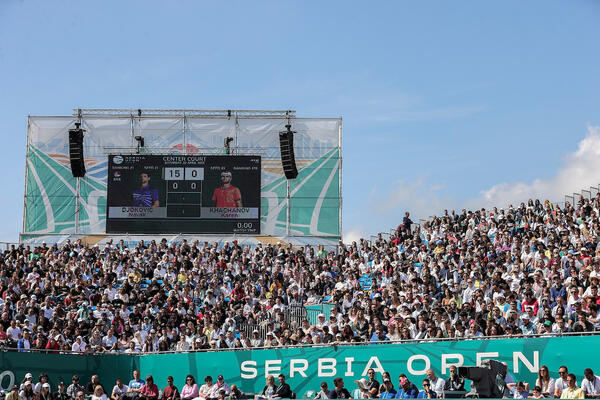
x=306, y=367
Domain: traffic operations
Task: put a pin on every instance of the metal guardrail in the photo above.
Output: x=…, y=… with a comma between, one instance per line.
x=291, y=314
x=6, y=245
x=323, y=345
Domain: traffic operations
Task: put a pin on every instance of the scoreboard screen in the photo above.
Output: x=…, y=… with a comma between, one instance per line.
x=183, y=194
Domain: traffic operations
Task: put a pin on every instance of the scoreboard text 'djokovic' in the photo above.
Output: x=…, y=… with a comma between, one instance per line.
x=183, y=194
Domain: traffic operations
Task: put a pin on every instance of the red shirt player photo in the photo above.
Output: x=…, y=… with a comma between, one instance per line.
x=227, y=195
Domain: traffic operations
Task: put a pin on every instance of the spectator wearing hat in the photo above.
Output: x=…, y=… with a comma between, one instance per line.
x=389, y=392
x=79, y=345
x=44, y=393
x=256, y=341
x=221, y=385
x=28, y=378
x=527, y=327
x=27, y=392
x=42, y=378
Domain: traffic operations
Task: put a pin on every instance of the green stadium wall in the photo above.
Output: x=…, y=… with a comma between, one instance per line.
x=307, y=367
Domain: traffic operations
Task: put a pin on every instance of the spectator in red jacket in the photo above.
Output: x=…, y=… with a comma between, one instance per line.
x=149, y=391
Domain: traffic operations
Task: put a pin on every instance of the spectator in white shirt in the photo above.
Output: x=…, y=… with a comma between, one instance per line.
x=545, y=382
x=561, y=383
x=437, y=384
x=13, y=330
x=206, y=391
x=79, y=345
x=109, y=342
x=119, y=390
x=590, y=384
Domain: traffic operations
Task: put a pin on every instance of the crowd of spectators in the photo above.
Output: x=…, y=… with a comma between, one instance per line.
x=531, y=269
x=565, y=386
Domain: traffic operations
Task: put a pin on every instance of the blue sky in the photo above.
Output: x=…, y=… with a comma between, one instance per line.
x=441, y=101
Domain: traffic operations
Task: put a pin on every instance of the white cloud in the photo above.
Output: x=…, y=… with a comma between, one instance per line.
x=580, y=170
x=384, y=209
x=354, y=234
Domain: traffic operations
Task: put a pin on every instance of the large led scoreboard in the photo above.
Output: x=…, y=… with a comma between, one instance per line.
x=183, y=194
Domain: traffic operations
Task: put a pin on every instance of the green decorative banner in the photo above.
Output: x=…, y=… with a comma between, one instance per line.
x=306, y=367
x=55, y=203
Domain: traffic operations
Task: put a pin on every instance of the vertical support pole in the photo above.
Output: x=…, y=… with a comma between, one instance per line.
x=26, y=164
x=287, y=219
x=77, y=197
x=236, y=133
x=340, y=175
x=184, y=133
x=132, y=131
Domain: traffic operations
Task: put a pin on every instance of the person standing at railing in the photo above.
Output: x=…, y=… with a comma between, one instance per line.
x=24, y=344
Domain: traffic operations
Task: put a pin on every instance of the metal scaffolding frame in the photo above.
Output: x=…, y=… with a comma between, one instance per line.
x=136, y=115
x=182, y=113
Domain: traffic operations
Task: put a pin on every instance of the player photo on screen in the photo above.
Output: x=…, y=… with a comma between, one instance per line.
x=227, y=195
x=145, y=195
x=136, y=188
x=230, y=186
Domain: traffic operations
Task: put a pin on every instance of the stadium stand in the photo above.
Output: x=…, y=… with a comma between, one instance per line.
x=522, y=271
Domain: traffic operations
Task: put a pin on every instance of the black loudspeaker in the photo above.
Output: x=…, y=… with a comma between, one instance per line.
x=286, y=145
x=76, y=151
